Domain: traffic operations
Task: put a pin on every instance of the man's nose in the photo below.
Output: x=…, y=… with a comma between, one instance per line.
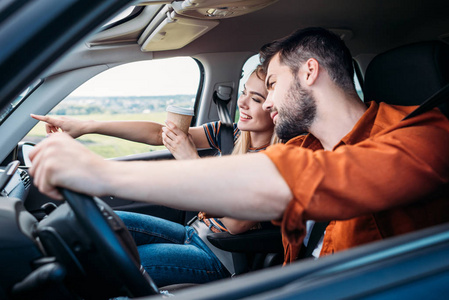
x=268, y=104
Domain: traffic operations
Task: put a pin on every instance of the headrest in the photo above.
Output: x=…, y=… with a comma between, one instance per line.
x=407, y=75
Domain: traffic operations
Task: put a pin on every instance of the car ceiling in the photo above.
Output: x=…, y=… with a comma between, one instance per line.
x=373, y=25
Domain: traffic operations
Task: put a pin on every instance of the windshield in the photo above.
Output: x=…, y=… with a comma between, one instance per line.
x=4, y=113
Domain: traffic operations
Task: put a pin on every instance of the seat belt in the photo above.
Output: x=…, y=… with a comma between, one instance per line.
x=221, y=98
x=315, y=236
x=433, y=101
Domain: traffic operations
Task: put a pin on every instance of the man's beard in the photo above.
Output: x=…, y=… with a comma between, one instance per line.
x=297, y=114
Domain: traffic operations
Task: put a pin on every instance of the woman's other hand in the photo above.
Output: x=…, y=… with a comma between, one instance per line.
x=179, y=144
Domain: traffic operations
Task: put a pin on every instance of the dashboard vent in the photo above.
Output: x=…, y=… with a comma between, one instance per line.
x=26, y=180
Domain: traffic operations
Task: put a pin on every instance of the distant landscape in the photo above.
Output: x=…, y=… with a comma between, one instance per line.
x=150, y=108
x=120, y=105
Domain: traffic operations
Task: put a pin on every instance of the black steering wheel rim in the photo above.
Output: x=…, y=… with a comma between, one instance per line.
x=106, y=241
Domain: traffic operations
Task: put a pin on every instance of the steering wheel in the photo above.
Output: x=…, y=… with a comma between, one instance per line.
x=112, y=240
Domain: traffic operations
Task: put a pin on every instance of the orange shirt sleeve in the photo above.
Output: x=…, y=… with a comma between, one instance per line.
x=395, y=166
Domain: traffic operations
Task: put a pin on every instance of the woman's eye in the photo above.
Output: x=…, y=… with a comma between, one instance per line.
x=244, y=92
x=256, y=100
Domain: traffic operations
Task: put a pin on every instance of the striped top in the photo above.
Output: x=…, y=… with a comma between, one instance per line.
x=213, y=134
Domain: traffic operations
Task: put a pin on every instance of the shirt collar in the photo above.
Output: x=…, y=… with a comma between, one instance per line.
x=362, y=129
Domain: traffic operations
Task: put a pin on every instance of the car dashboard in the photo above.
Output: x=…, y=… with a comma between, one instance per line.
x=18, y=248
x=18, y=185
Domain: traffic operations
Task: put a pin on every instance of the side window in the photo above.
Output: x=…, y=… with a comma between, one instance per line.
x=358, y=78
x=358, y=88
x=247, y=69
x=134, y=91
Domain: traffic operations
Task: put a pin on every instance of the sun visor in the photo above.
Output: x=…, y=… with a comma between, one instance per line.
x=169, y=30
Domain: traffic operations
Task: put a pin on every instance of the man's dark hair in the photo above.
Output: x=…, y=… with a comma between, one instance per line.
x=318, y=43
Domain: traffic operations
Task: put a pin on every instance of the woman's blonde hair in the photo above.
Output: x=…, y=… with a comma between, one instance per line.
x=243, y=143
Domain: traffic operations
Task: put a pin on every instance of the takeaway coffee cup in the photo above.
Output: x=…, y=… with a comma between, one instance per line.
x=180, y=116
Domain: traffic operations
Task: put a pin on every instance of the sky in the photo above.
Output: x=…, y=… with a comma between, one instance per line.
x=159, y=77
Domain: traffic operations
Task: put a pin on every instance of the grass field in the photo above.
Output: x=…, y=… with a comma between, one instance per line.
x=106, y=146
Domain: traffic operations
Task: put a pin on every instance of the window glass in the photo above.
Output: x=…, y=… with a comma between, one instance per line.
x=4, y=113
x=124, y=14
x=135, y=91
x=249, y=66
x=358, y=88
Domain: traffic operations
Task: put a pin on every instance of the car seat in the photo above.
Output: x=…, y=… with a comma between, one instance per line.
x=409, y=74
x=251, y=250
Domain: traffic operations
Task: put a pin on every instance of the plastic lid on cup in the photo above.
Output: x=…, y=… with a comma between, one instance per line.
x=180, y=110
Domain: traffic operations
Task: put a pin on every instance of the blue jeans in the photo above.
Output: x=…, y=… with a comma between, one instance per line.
x=170, y=252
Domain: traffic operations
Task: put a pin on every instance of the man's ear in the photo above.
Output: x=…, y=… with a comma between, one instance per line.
x=311, y=69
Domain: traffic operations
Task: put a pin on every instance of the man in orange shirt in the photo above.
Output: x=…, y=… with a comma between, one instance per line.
x=360, y=165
